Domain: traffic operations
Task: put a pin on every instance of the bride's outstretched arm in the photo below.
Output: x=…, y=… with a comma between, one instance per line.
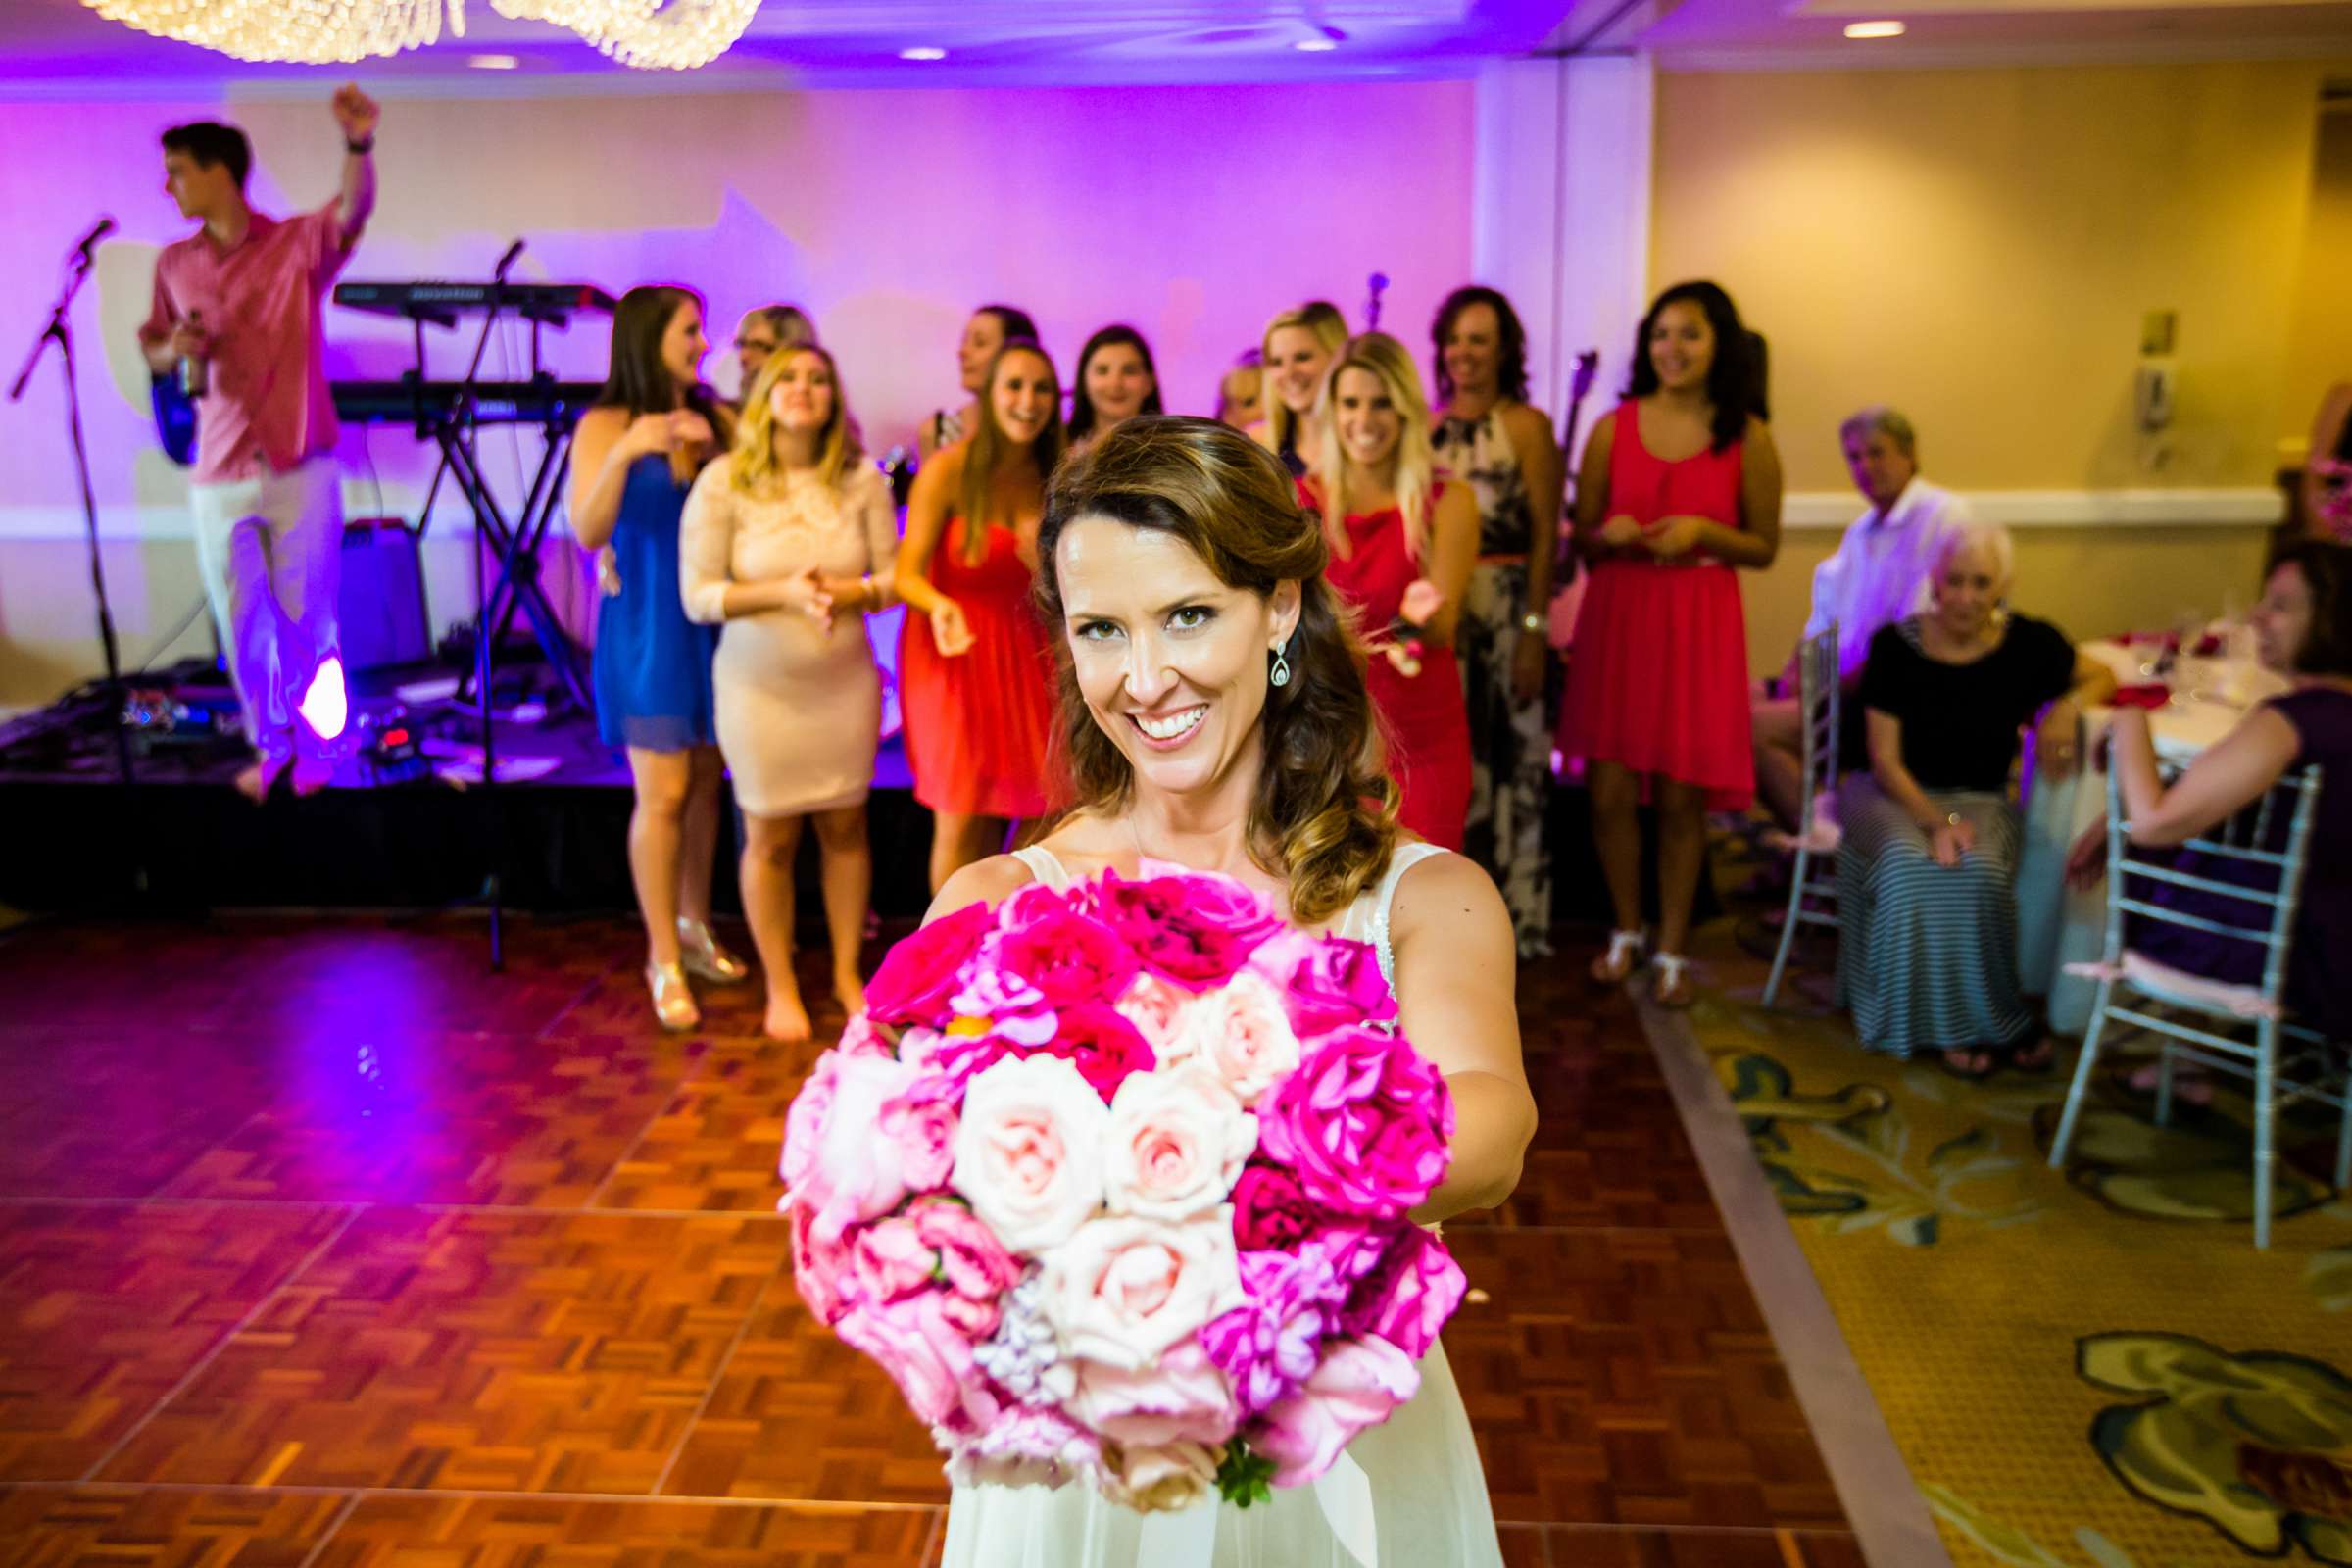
x=1456, y=990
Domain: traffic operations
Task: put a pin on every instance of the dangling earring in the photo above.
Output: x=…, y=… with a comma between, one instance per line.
x=1280, y=674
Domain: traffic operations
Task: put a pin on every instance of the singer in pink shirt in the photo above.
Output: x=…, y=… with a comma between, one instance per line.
x=236, y=316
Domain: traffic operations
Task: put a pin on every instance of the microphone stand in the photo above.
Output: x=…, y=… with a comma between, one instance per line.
x=59, y=331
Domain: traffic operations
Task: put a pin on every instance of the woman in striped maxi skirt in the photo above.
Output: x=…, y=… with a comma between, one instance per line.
x=1925, y=875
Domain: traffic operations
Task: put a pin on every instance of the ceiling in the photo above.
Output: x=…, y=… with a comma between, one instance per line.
x=60, y=46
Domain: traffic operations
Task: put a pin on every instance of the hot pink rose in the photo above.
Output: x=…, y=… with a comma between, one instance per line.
x=1194, y=930
x=1271, y=1212
x=1239, y=1031
x=1362, y=1122
x=919, y=975
x=972, y=1264
x=1176, y=1143
x=1105, y=1047
x=1124, y=1289
x=1029, y=1153
x=1357, y=1383
x=1327, y=983
x=1181, y=1397
x=1409, y=1296
x=926, y=1355
x=1068, y=957
x=833, y=1163
x=1157, y=1009
x=921, y=1120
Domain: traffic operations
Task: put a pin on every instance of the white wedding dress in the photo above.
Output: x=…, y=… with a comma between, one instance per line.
x=1429, y=1492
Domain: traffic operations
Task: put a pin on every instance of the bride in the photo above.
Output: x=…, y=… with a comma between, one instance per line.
x=1213, y=709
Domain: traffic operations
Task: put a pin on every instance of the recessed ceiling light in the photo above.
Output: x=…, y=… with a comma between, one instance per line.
x=1873, y=29
x=493, y=62
x=925, y=52
x=1315, y=46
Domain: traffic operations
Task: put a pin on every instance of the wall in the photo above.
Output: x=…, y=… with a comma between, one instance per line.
x=1978, y=247
x=1193, y=213
x=2320, y=320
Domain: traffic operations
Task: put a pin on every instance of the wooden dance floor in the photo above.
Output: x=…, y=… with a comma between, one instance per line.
x=322, y=1245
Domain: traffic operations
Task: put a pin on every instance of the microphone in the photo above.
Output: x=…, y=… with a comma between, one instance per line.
x=507, y=260
x=98, y=232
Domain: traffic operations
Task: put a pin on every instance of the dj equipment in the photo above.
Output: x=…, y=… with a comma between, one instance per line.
x=426, y=404
x=380, y=612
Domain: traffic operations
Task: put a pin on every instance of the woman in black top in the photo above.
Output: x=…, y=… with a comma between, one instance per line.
x=1926, y=874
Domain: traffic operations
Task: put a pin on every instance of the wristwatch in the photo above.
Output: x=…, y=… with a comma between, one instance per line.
x=362, y=147
x=1531, y=621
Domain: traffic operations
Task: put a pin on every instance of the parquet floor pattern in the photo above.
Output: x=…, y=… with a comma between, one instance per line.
x=322, y=1247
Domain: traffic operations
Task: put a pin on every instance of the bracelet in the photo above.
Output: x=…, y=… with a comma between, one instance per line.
x=1531, y=621
x=362, y=147
x=1951, y=819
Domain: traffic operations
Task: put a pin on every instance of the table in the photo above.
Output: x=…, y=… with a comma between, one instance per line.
x=2059, y=925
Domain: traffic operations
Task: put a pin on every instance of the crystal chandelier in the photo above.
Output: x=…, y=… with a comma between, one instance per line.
x=650, y=34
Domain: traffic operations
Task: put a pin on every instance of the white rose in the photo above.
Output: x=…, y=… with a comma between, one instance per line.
x=1176, y=1144
x=1166, y=1479
x=1125, y=1289
x=1241, y=1031
x=1029, y=1150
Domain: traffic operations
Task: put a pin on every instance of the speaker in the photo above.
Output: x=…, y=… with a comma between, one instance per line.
x=382, y=602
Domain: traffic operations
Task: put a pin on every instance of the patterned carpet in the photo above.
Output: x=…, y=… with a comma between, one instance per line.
x=2091, y=1368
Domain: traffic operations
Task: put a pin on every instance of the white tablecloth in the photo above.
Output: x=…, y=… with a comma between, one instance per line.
x=2058, y=925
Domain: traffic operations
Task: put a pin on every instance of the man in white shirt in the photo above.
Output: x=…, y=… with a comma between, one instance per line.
x=1877, y=576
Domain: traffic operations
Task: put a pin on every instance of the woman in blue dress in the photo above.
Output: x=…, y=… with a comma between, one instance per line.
x=633, y=458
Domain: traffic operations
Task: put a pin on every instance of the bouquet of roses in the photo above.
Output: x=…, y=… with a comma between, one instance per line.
x=1113, y=1183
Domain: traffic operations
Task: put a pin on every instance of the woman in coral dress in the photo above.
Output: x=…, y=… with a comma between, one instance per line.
x=1678, y=486
x=975, y=674
x=1402, y=545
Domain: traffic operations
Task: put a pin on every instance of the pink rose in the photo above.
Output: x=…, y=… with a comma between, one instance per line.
x=891, y=1259
x=1408, y=1297
x=1239, y=1031
x=1195, y=929
x=1101, y=1044
x=1176, y=1143
x=1068, y=957
x=970, y=1262
x=927, y=1356
x=833, y=1163
x=1270, y=1345
x=919, y=974
x=1182, y=1396
x=1357, y=1383
x=824, y=1271
x=1164, y=1480
x=1362, y=1122
x=1029, y=1153
x=996, y=1001
x=1122, y=1291
x=1026, y=1446
x=1157, y=1009
x=921, y=1120
x=1327, y=982
x=859, y=1038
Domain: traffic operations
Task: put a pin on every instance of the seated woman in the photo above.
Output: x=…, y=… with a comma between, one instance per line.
x=1927, y=956
x=2303, y=629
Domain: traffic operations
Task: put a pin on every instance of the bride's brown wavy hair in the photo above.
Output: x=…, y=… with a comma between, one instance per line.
x=1324, y=818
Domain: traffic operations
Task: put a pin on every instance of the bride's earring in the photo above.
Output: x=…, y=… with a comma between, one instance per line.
x=1280, y=674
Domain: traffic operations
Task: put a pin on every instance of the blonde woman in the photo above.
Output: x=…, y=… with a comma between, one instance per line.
x=1403, y=543
x=789, y=541
x=1296, y=356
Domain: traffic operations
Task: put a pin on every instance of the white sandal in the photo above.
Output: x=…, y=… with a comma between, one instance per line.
x=1673, y=971
x=1616, y=966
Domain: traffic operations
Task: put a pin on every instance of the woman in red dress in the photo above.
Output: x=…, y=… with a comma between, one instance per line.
x=1392, y=526
x=975, y=674
x=1678, y=486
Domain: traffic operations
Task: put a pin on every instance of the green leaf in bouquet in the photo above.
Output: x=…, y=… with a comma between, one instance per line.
x=1242, y=1477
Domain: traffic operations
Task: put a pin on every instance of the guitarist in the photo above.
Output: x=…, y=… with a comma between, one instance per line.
x=236, y=316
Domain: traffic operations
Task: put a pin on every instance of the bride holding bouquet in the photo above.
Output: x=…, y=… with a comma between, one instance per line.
x=1213, y=706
